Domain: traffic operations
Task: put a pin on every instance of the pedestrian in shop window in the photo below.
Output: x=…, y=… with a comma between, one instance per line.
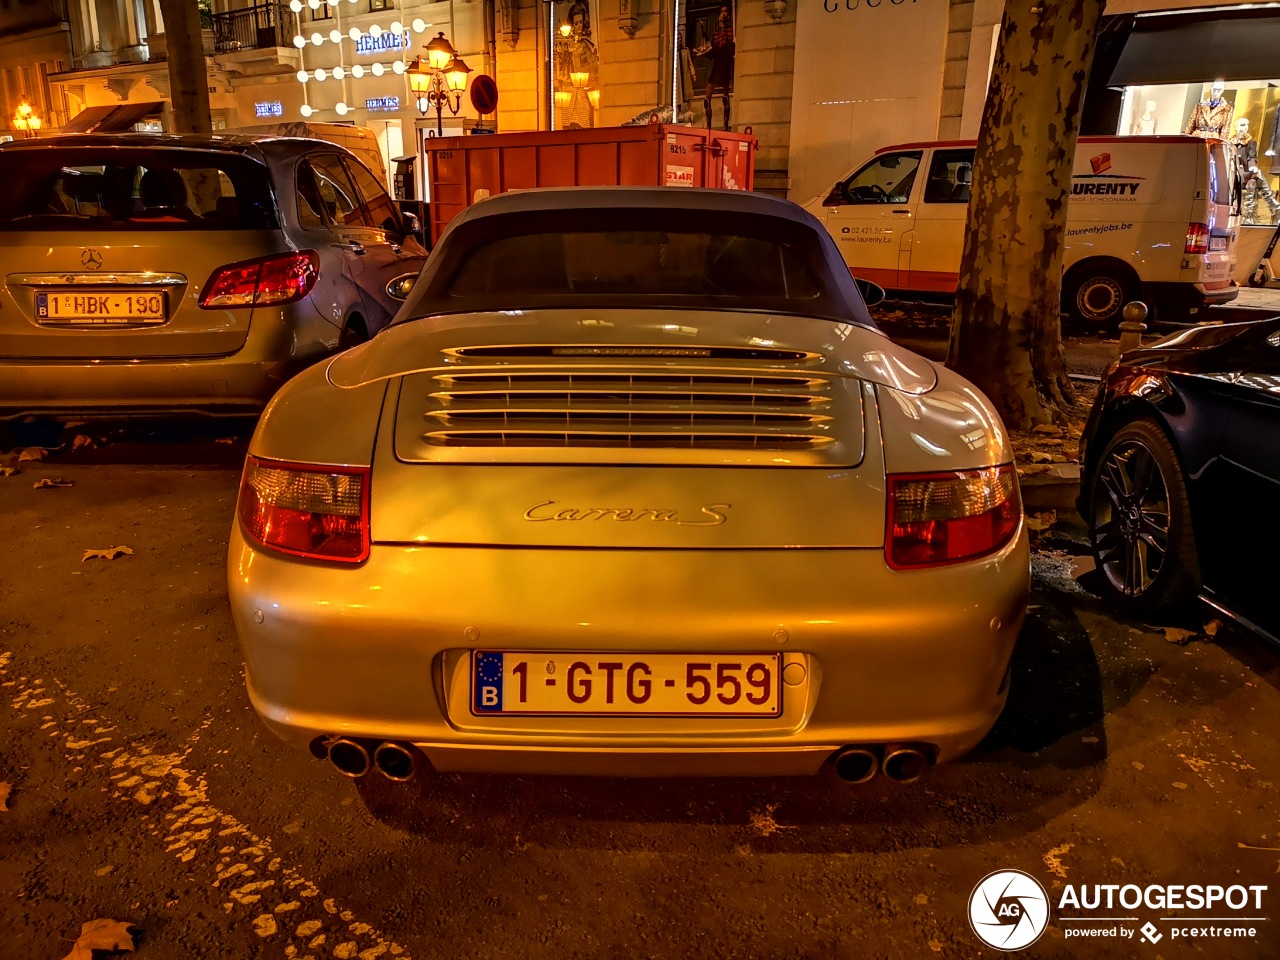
x=721, y=49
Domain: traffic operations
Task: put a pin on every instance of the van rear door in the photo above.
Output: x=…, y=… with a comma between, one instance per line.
x=871, y=215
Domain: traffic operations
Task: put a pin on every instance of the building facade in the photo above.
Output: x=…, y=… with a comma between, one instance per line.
x=871, y=72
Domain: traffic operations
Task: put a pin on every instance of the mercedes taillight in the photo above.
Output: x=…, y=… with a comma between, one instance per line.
x=307, y=510
x=265, y=282
x=940, y=518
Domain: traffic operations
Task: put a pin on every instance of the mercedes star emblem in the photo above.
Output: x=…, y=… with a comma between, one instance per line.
x=91, y=258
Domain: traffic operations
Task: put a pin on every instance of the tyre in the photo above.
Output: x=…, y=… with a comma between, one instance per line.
x=353, y=334
x=1096, y=295
x=1140, y=523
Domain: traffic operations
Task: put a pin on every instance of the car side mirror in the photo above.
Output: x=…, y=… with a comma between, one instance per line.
x=872, y=293
x=399, y=288
x=838, y=195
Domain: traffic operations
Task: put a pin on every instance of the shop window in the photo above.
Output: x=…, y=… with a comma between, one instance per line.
x=576, y=62
x=376, y=5
x=322, y=12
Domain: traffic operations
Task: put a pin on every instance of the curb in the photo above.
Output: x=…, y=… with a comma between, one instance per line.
x=1054, y=489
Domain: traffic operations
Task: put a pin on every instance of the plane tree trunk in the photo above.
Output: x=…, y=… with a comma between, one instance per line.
x=188, y=75
x=1006, y=334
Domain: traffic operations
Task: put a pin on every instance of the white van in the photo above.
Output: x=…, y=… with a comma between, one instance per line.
x=1149, y=218
x=361, y=141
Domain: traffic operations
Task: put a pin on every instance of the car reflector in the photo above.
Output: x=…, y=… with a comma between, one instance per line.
x=319, y=512
x=939, y=518
x=265, y=282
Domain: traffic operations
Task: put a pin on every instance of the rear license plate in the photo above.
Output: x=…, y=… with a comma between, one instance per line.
x=636, y=685
x=115, y=308
x=1217, y=244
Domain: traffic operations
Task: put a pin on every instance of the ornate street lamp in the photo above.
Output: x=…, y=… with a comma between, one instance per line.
x=26, y=120
x=438, y=80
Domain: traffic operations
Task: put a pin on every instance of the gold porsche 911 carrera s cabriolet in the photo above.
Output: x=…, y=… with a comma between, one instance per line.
x=631, y=485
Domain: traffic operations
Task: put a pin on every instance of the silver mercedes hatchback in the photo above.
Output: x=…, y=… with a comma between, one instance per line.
x=162, y=275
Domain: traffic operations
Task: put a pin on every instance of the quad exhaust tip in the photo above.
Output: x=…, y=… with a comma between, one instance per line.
x=394, y=761
x=902, y=763
x=856, y=764
x=353, y=758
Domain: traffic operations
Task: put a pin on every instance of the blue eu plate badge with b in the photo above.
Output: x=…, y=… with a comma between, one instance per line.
x=486, y=682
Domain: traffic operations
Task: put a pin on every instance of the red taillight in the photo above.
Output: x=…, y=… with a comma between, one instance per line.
x=938, y=518
x=1197, y=238
x=268, y=281
x=309, y=511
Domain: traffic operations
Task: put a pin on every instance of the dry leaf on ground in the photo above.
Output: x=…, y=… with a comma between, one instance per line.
x=33, y=453
x=110, y=553
x=1179, y=636
x=5, y=790
x=1047, y=429
x=46, y=483
x=1039, y=456
x=83, y=440
x=1037, y=522
x=8, y=471
x=1211, y=628
x=112, y=935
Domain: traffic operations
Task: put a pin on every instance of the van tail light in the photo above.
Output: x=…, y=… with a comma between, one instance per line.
x=1197, y=238
x=317, y=512
x=265, y=282
x=940, y=518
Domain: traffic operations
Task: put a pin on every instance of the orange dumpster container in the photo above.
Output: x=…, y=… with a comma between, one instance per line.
x=462, y=170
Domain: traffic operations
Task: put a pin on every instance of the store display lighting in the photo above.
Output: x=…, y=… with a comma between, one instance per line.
x=317, y=38
x=338, y=73
x=398, y=67
x=313, y=4
x=357, y=71
x=335, y=36
x=341, y=108
x=377, y=69
x=322, y=75
x=580, y=79
x=354, y=33
x=420, y=26
x=397, y=27
x=299, y=41
x=303, y=76
x=375, y=31
x=26, y=120
x=306, y=110
x=295, y=6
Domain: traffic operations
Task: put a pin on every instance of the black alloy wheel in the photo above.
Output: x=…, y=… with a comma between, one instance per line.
x=1140, y=522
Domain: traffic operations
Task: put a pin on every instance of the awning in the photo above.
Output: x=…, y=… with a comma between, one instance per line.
x=87, y=120
x=1198, y=48
x=111, y=119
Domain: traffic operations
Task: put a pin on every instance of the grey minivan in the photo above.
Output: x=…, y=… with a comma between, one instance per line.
x=175, y=274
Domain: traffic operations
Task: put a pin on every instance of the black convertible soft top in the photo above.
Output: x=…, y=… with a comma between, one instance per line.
x=517, y=251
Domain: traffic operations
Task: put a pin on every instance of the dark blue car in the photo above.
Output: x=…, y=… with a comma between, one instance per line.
x=1181, y=475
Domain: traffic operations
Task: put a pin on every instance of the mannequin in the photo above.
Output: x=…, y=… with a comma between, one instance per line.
x=1249, y=178
x=1211, y=117
x=1145, y=125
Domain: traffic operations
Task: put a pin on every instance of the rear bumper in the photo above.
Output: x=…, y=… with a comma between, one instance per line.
x=227, y=386
x=1190, y=296
x=382, y=651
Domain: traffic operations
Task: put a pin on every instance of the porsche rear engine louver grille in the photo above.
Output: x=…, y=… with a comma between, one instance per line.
x=639, y=410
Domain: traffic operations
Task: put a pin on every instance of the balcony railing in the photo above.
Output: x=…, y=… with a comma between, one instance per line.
x=252, y=28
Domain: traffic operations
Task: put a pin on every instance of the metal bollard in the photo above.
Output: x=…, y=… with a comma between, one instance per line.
x=1135, y=312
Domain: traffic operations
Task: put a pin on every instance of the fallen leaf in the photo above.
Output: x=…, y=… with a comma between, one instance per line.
x=1047, y=429
x=46, y=483
x=112, y=935
x=921, y=899
x=1037, y=522
x=33, y=453
x=83, y=440
x=8, y=471
x=110, y=553
x=1211, y=628
x=1179, y=636
x=1039, y=456
x=5, y=790
x=1033, y=469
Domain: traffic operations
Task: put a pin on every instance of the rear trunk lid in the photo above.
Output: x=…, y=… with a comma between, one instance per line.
x=631, y=430
x=106, y=251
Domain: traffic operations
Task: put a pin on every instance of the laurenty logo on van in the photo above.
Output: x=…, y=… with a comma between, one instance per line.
x=1103, y=183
